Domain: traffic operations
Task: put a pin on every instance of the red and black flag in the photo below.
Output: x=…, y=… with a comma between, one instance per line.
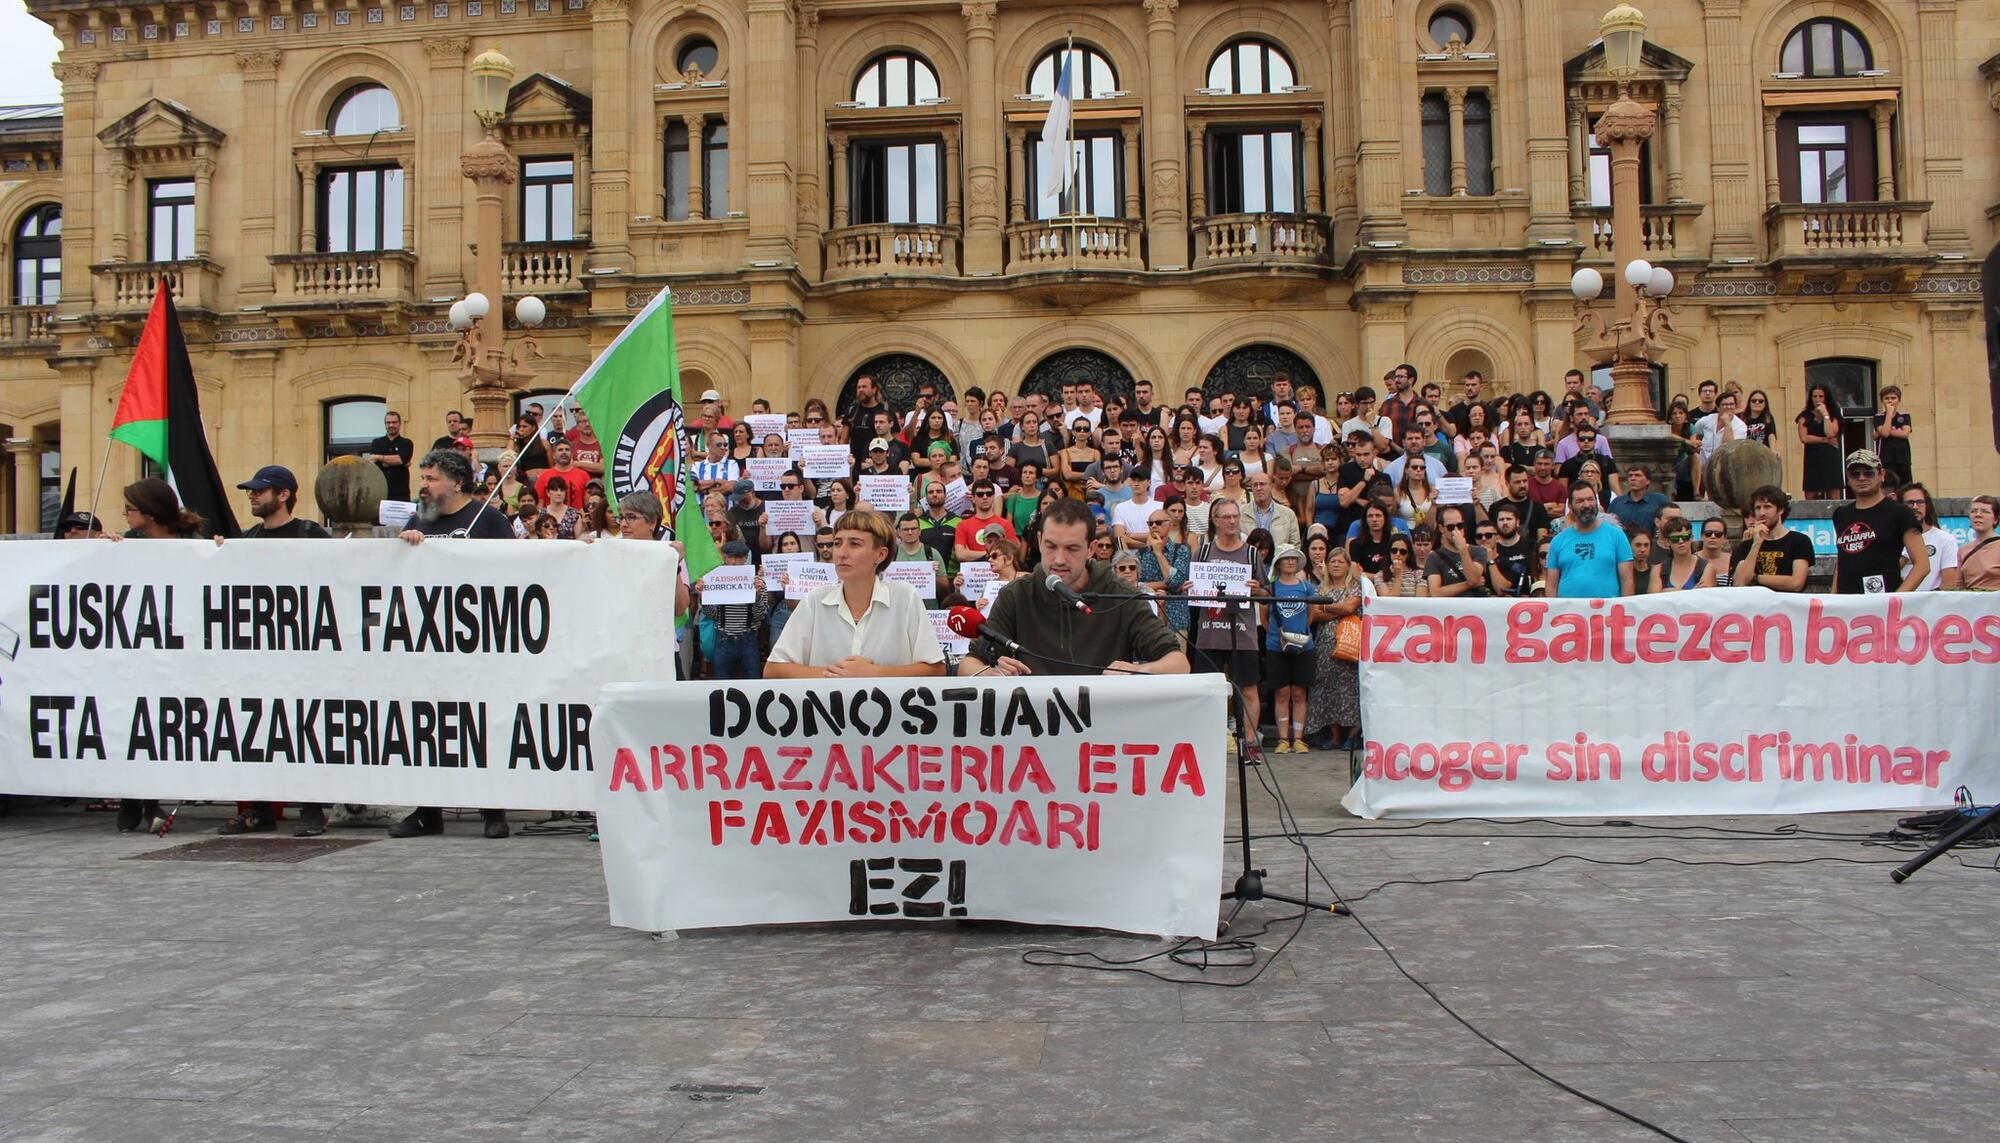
x=160, y=415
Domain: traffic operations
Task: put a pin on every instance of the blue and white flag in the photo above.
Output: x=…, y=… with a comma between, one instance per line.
x=1055, y=135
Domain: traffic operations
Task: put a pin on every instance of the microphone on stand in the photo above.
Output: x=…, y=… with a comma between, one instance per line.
x=967, y=622
x=1067, y=593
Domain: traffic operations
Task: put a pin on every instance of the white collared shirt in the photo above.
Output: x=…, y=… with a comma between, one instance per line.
x=894, y=631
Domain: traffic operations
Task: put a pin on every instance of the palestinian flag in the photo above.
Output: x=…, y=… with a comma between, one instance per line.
x=632, y=393
x=160, y=415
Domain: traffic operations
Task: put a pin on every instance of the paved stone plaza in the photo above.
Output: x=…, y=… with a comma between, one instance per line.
x=460, y=988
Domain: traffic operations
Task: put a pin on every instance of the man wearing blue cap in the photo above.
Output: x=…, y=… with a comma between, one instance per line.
x=274, y=495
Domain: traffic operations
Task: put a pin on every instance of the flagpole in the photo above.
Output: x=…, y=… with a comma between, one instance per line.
x=96, y=490
x=1069, y=157
x=488, y=503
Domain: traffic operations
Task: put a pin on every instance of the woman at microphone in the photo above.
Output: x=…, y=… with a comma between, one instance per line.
x=861, y=626
x=1063, y=633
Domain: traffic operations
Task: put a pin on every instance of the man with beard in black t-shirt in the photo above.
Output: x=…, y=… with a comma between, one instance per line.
x=858, y=422
x=444, y=509
x=1872, y=535
x=1512, y=572
x=1534, y=518
x=1771, y=555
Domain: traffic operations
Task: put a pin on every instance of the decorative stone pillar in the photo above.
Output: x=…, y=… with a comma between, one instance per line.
x=611, y=134
x=259, y=182
x=204, y=179
x=950, y=176
x=839, y=179
x=1885, y=151
x=1671, y=128
x=811, y=169
x=1940, y=180
x=1730, y=104
x=697, y=159
x=80, y=172
x=766, y=139
x=1309, y=132
x=1579, y=152
x=121, y=207
x=1454, y=98
x=1017, y=207
x=27, y=485
x=1198, y=154
x=1128, y=135
x=583, y=182
x=983, y=248
x=439, y=184
x=308, y=217
x=1770, y=156
x=1379, y=73
x=1167, y=209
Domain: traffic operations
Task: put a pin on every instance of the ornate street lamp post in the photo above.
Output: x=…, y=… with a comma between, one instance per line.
x=489, y=370
x=1629, y=344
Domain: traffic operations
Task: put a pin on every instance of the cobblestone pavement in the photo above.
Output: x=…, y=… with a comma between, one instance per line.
x=445, y=988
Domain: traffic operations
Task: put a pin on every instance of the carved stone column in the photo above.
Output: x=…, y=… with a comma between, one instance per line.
x=1309, y=146
x=1770, y=156
x=1885, y=151
x=811, y=166
x=611, y=133
x=79, y=177
x=1128, y=135
x=1198, y=156
x=583, y=182
x=1671, y=127
x=1016, y=175
x=1579, y=151
x=1167, y=209
x=697, y=159
x=308, y=216
x=261, y=183
x=204, y=180
x=121, y=207
x=983, y=246
x=439, y=184
x=27, y=485
x=766, y=140
x=950, y=177
x=1454, y=98
x=839, y=179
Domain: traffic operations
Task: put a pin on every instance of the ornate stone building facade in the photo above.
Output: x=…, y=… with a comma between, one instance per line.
x=1331, y=186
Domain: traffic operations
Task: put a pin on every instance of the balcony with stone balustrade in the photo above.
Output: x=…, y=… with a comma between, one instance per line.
x=1843, y=244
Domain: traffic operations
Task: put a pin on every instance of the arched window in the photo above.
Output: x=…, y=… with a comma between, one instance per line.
x=1249, y=371
x=698, y=54
x=1825, y=49
x=898, y=79
x=364, y=109
x=1090, y=74
x=38, y=257
x=1077, y=366
x=350, y=424
x=1250, y=67
x=898, y=377
x=1448, y=24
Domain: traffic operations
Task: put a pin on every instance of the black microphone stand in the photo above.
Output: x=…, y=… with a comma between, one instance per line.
x=1250, y=882
x=1978, y=822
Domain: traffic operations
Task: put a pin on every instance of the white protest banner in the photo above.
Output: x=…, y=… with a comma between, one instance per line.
x=455, y=673
x=827, y=462
x=729, y=583
x=957, y=498
x=766, y=472
x=889, y=494
x=974, y=575
x=805, y=578
x=1454, y=490
x=920, y=575
x=798, y=440
x=952, y=642
x=765, y=425
x=395, y=513
x=777, y=566
x=1721, y=701
x=794, y=516
x=1208, y=578
x=1088, y=801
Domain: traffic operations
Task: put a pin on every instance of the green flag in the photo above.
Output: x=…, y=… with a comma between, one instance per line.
x=632, y=393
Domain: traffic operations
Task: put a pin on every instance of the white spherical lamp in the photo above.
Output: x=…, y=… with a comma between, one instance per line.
x=478, y=307
x=1662, y=282
x=458, y=318
x=1586, y=284
x=1638, y=274
x=530, y=311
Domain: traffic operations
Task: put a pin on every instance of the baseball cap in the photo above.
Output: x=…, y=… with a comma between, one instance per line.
x=740, y=488
x=278, y=476
x=879, y=442
x=462, y=442
x=82, y=520
x=710, y=395
x=736, y=549
x=1863, y=458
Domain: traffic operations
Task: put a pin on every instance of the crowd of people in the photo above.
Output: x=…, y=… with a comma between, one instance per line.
x=1251, y=528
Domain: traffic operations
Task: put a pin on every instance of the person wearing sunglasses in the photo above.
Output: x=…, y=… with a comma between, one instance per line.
x=1873, y=535
x=791, y=486
x=967, y=543
x=1684, y=569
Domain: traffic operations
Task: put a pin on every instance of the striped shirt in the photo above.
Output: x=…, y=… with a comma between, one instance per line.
x=705, y=470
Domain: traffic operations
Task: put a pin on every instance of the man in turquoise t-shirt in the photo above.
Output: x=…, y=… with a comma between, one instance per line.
x=1589, y=559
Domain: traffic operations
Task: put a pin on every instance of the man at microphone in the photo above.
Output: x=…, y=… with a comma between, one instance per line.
x=1040, y=624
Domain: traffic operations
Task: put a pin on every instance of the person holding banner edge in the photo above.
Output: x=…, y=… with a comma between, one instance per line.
x=1117, y=638
x=445, y=509
x=861, y=626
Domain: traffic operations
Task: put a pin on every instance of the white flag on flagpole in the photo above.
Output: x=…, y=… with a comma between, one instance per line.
x=1055, y=135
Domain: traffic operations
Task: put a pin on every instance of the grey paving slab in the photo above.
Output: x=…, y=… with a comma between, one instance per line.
x=455, y=988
